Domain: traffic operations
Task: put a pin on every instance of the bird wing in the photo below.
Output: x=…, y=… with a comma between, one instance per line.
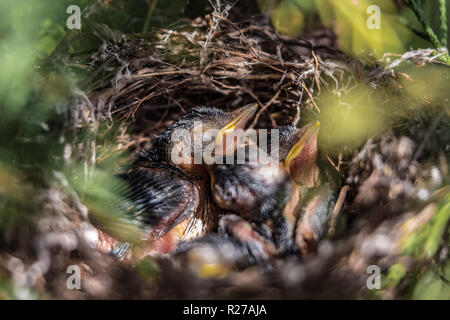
x=160, y=197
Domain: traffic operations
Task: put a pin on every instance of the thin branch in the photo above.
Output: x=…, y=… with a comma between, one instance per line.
x=151, y=8
x=444, y=31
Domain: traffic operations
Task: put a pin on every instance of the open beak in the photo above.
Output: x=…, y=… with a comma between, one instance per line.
x=302, y=156
x=239, y=119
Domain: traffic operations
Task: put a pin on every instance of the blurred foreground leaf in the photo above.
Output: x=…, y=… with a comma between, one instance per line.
x=350, y=118
x=425, y=241
x=352, y=22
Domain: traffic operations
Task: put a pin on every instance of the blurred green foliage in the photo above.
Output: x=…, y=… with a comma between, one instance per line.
x=395, y=274
x=36, y=89
x=428, y=83
x=104, y=195
x=351, y=17
x=148, y=268
x=351, y=117
x=400, y=28
x=433, y=286
x=425, y=242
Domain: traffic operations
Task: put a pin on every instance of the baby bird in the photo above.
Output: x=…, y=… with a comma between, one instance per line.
x=266, y=217
x=256, y=191
x=313, y=194
x=266, y=190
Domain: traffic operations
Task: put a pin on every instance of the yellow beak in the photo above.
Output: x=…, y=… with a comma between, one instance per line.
x=310, y=132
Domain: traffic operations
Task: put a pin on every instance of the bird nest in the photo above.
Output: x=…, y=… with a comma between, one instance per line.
x=150, y=80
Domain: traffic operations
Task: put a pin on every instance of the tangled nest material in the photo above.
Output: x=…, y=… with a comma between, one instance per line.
x=211, y=62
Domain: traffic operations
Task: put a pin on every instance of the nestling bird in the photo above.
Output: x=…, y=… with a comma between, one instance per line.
x=184, y=141
x=235, y=245
x=256, y=191
x=171, y=199
x=270, y=199
x=266, y=191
